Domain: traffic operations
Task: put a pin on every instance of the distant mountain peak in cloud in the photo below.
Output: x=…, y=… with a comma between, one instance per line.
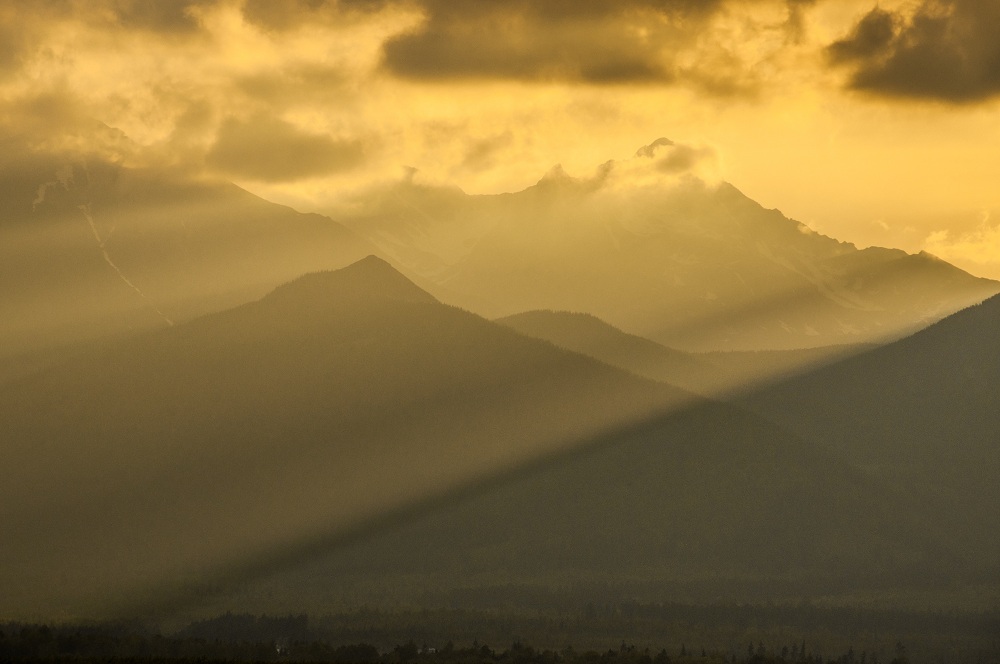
x=659, y=248
x=650, y=150
x=557, y=178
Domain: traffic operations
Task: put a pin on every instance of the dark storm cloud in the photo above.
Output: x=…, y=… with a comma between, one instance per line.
x=947, y=51
x=596, y=41
x=871, y=38
x=272, y=150
x=591, y=41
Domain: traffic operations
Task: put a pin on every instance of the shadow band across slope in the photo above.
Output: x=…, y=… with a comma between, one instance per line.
x=350, y=414
x=706, y=499
x=922, y=413
x=335, y=400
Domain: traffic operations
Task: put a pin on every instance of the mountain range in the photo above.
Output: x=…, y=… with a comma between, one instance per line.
x=871, y=478
x=91, y=249
x=241, y=436
x=207, y=395
x=708, y=373
x=349, y=418
x=691, y=264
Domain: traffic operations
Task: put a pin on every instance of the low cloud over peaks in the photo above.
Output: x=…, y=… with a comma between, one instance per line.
x=672, y=158
x=650, y=150
x=946, y=51
x=658, y=167
x=269, y=149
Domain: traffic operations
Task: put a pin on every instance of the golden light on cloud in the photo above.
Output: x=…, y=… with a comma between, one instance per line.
x=686, y=176
x=975, y=250
x=797, y=98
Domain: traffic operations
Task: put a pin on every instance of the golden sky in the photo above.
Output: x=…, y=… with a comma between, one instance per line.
x=873, y=123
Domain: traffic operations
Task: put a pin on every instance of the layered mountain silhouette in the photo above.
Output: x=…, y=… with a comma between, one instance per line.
x=588, y=335
x=712, y=373
x=921, y=413
x=347, y=433
x=91, y=249
x=245, y=436
x=704, y=505
x=690, y=265
x=349, y=418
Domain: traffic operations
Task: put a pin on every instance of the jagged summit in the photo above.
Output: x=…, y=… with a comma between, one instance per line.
x=370, y=278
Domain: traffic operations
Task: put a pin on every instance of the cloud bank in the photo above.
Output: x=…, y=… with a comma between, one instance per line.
x=947, y=50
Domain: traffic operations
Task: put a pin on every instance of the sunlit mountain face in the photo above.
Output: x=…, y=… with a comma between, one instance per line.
x=92, y=249
x=314, y=305
x=688, y=263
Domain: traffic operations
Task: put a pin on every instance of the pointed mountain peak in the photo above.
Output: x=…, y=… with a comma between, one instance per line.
x=369, y=279
x=558, y=182
x=370, y=265
x=557, y=174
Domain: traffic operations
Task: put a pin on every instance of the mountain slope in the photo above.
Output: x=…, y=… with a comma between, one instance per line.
x=90, y=249
x=351, y=407
x=688, y=264
x=711, y=373
x=226, y=441
x=707, y=504
x=242, y=436
x=922, y=411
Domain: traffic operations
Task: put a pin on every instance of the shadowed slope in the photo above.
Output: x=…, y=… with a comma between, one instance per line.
x=714, y=373
x=923, y=411
x=706, y=504
x=589, y=335
x=221, y=444
x=345, y=405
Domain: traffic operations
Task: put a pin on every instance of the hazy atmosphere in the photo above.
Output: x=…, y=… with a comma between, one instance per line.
x=874, y=124
x=555, y=323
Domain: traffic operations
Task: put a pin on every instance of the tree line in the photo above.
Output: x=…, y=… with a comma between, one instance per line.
x=129, y=643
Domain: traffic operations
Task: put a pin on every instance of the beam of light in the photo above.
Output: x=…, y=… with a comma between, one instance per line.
x=164, y=600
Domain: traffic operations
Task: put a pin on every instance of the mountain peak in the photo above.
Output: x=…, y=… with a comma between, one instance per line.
x=557, y=174
x=370, y=278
